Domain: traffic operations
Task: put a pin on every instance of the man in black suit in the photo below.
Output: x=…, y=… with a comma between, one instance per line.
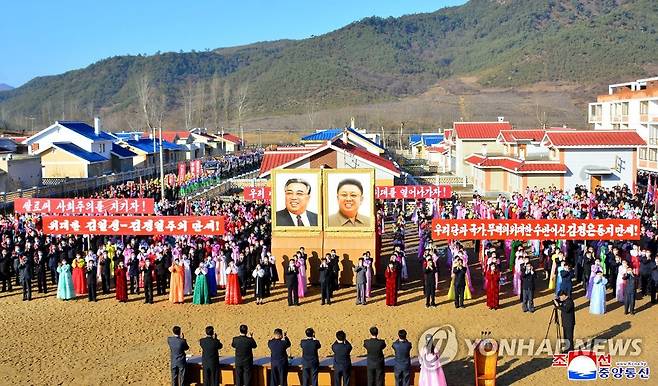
x=291, y=284
x=91, y=280
x=41, y=265
x=161, y=274
x=460, y=283
x=566, y=306
x=147, y=279
x=210, y=347
x=298, y=193
x=528, y=288
x=25, y=277
x=310, y=359
x=402, y=367
x=375, y=354
x=325, y=280
x=629, y=291
x=279, y=358
x=178, y=346
x=654, y=280
x=342, y=361
x=244, y=356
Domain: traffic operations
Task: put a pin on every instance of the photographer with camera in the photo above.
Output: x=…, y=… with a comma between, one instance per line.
x=565, y=304
x=528, y=288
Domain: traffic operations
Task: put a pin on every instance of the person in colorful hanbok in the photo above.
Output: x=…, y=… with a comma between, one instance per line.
x=597, y=300
x=259, y=283
x=79, y=282
x=595, y=268
x=121, y=290
x=233, y=295
x=201, y=293
x=187, y=285
x=65, y=289
x=211, y=276
x=620, y=282
x=300, y=263
x=429, y=357
x=177, y=282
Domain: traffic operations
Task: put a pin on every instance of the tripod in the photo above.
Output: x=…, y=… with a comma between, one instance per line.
x=555, y=319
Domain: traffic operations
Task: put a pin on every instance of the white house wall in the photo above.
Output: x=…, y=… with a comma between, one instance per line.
x=577, y=160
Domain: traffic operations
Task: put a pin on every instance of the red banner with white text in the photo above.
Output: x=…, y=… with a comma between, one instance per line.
x=134, y=225
x=569, y=229
x=412, y=192
x=257, y=193
x=89, y=206
x=181, y=172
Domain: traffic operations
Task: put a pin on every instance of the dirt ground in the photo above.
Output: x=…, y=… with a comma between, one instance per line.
x=52, y=342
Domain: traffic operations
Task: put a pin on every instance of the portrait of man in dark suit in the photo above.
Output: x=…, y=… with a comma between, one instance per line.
x=349, y=196
x=297, y=195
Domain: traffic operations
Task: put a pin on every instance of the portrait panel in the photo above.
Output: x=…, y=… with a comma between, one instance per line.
x=349, y=199
x=296, y=199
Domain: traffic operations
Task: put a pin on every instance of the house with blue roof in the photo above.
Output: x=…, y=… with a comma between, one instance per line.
x=72, y=149
x=146, y=151
x=420, y=143
x=356, y=137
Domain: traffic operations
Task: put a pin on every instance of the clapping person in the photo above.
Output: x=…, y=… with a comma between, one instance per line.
x=342, y=360
x=429, y=284
x=375, y=354
x=92, y=282
x=325, y=280
x=244, y=356
x=278, y=346
x=210, y=347
x=291, y=284
x=259, y=283
x=360, y=272
x=310, y=359
x=147, y=279
x=402, y=367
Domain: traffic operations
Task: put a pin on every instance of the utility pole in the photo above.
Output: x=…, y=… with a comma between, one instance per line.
x=383, y=138
x=162, y=189
x=400, y=136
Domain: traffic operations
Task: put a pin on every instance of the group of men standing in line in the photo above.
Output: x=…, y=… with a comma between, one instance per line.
x=279, y=345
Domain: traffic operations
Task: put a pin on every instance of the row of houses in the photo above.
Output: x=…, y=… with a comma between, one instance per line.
x=75, y=149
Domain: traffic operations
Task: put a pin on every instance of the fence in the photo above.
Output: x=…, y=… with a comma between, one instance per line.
x=65, y=187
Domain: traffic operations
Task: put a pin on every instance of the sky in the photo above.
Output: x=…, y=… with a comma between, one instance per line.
x=46, y=37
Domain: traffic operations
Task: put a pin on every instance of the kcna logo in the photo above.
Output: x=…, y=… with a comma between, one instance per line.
x=441, y=340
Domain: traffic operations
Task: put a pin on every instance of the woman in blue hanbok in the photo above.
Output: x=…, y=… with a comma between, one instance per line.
x=597, y=299
x=65, y=283
x=211, y=276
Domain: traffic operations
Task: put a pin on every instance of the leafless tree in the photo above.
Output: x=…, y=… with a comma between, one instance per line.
x=542, y=117
x=227, y=103
x=215, y=100
x=152, y=102
x=188, y=101
x=241, y=106
x=200, y=104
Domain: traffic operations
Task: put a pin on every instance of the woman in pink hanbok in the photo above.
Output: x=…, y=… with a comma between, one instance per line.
x=431, y=372
x=300, y=263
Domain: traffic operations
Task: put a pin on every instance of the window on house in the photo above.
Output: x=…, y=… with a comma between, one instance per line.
x=652, y=154
x=624, y=108
x=643, y=154
x=35, y=147
x=644, y=107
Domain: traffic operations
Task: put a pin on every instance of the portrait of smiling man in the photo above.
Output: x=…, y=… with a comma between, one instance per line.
x=297, y=194
x=350, y=197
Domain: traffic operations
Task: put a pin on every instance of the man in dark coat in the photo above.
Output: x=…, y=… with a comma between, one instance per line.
x=402, y=367
x=629, y=292
x=375, y=355
x=645, y=272
x=244, y=356
x=429, y=284
x=178, y=346
x=291, y=284
x=342, y=361
x=25, y=277
x=528, y=288
x=147, y=279
x=310, y=359
x=566, y=284
x=566, y=306
x=279, y=358
x=5, y=270
x=161, y=274
x=325, y=280
x=654, y=280
x=133, y=274
x=460, y=283
x=92, y=276
x=210, y=347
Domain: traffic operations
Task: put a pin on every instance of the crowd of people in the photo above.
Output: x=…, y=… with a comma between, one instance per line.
x=280, y=347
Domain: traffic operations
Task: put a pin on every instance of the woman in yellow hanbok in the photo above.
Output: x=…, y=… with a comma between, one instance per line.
x=467, y=291
x=553, y=277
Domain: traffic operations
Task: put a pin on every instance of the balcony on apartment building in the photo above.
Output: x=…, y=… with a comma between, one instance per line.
x=620, y=119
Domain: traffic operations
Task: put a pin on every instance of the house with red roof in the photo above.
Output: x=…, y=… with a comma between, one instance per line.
x=470, y=137
x=559, y=157
x=333, y=154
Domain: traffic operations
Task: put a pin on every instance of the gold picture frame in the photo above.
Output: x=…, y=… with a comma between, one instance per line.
x=333, y=214
x=281, y=219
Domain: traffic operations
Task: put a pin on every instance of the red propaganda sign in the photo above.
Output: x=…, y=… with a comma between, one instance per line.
x=413, y=192
x=181, y=172
x=87, y=206
x=571, y=229
x=258, y=193
x=133, y=225
x=199, y=172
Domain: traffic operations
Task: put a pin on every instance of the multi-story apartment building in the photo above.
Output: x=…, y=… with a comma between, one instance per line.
x=631, y=106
